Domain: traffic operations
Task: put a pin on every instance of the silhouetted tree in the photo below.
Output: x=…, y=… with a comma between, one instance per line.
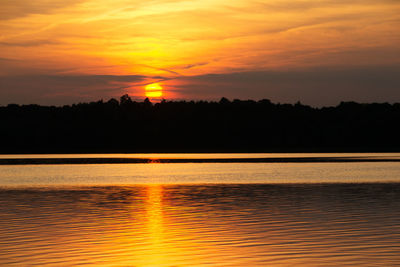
x=224, y=101
x=125, y=100
x=238, y=125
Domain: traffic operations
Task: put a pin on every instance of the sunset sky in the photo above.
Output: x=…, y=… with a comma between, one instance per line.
x=318, y=52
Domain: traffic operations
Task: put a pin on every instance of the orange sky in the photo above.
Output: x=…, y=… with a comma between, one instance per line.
x=64, y=51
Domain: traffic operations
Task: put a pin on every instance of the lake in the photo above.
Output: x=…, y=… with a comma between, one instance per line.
x=315, y=213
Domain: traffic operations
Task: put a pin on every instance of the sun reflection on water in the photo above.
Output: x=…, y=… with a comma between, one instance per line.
x=155, y=225
x=200, y=225
x=154, y=212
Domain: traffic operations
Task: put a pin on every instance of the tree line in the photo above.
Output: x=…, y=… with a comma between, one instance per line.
x=198, y=126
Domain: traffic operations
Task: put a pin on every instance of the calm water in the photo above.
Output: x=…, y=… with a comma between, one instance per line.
x=204, y=214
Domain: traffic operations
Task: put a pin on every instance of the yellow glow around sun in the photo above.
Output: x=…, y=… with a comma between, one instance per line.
x=153, y=90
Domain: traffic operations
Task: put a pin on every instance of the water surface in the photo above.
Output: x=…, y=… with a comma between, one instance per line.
x=200, y=225
x=201, y=214
x=197, y=173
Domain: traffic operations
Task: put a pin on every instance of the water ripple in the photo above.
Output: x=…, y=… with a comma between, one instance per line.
x=200, y=225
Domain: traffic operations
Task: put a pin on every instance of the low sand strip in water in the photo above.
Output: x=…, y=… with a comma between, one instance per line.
x=35, y=161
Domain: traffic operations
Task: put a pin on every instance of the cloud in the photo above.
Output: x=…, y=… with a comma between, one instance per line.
x=322, y=86
x=66, y=89
x=11, y=9
x=7, y=59
x=161, y=69
x=305, y=5
x=194, y=65
x=317, y=87
x=29, y=43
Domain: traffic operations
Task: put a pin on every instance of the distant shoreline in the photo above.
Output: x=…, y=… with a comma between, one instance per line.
x=201, y=126
x=59, y=161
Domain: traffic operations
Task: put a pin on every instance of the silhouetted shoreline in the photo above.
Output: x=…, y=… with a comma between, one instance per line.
x=126, y=126
x=53, y=161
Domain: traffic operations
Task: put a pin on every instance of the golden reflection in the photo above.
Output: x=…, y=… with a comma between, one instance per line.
x=162, y=247
x=155, y=225
x=153, y=160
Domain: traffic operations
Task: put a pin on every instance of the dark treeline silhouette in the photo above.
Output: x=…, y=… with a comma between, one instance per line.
x=201, y=126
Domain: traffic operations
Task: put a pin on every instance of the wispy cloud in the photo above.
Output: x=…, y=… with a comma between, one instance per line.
x=316, y=86
x=47, y=88
x=29, y=43
x=7, y=59
x=11, y=9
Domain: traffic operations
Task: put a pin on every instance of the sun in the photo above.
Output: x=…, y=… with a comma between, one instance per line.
x=153, y=90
